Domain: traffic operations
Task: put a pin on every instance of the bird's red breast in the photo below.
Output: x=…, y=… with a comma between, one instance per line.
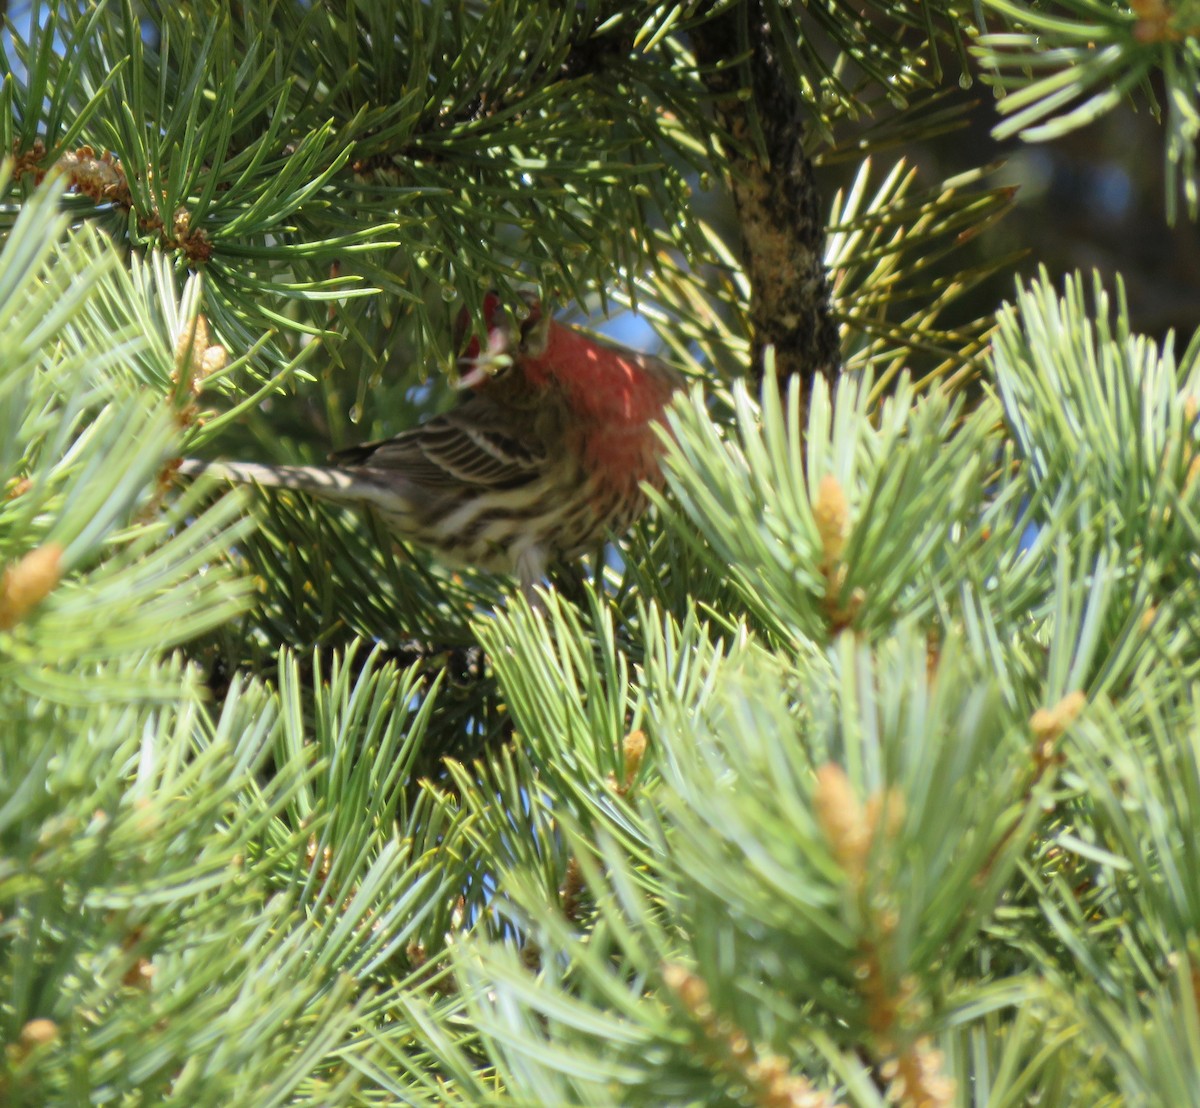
x=614, y=394
x=605, y=384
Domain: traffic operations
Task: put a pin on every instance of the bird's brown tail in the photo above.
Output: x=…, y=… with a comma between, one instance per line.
x=333, y=484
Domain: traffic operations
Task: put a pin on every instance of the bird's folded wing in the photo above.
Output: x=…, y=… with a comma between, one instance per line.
x=447, y=452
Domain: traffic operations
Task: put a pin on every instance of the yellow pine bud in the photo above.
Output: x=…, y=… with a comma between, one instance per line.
x=27, y=582
x=832, y=515
x=38, y=1032
x=196, y=357
x=842, y=820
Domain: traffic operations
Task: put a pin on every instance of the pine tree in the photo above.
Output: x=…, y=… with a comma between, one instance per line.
x=866, y=770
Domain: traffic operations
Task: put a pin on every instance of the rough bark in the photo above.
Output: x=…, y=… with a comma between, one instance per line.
x=775, y=194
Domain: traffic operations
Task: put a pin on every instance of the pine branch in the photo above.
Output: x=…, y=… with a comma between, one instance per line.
x=773, y=184
x=1062, y=66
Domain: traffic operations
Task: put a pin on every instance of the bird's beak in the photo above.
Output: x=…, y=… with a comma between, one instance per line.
x=478, y=365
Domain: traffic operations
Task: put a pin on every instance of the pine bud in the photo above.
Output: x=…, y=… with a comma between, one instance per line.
x=832, y=515
x=38, y=1032
x=28, y=582
x=842, y=820
x=196, y=357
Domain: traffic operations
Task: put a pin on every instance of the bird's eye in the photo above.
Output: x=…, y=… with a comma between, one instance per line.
x=533, y=328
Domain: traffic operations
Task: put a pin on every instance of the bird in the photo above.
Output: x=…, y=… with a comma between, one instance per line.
x=541, y=461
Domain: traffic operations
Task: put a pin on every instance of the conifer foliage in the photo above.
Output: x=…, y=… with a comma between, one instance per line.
x=866, y=770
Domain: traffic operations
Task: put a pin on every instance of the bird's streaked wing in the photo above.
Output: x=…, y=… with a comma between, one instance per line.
x=451, y=452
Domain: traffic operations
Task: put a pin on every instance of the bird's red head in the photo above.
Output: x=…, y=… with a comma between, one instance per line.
x=512, y=332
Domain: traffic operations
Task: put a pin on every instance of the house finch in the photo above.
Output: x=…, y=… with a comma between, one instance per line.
x=542, y=459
